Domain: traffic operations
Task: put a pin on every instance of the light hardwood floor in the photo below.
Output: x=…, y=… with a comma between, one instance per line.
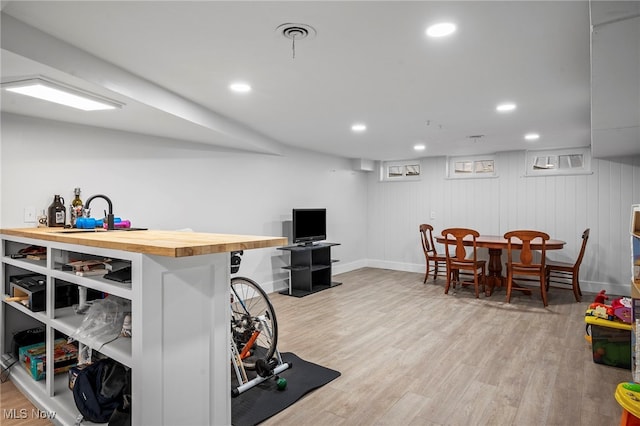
x=16, y=410
x=411, y=355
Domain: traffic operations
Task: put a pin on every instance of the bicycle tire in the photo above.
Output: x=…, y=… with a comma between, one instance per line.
x=249, y=302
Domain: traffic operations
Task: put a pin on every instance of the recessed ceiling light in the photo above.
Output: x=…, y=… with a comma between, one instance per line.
x=42, y=88
x=240, y=87
x=419, y=147
x=358, y=127
x=506, y=107
x=441, y=29
x=532, y=136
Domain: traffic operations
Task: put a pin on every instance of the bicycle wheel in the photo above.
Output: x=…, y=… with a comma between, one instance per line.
x=252, y=314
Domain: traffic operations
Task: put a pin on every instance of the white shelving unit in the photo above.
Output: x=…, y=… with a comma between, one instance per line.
x=635, y=291
x=178, y=351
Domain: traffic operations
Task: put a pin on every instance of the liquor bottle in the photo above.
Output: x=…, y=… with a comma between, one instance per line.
x=57, y=212
x=42, y=219
x=76, y=207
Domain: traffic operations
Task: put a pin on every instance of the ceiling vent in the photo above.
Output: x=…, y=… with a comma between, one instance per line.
x=295, y=32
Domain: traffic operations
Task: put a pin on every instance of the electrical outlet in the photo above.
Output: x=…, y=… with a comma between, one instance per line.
x=29, y=215
x=433, y=215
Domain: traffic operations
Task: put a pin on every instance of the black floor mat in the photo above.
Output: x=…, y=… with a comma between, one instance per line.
x=264, y=400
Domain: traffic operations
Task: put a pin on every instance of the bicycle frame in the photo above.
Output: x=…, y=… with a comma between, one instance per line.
x=252, y=320
x=237, y=356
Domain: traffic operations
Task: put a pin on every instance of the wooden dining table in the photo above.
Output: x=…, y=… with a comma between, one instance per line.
x=495, y=244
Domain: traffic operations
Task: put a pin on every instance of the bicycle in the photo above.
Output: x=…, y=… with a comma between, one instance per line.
x=254, y=332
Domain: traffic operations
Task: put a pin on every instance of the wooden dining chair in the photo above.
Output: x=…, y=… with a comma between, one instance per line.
x=565, y=275
x=430, y=253
x=457, y=260
x=526, y=266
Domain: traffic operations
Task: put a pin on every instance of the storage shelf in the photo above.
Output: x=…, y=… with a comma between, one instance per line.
x=307, y=268
x=64, y=397
x=38, y=266
x=316, y=288
x=97, y=283
x=52, y=396
x=40, y=315
x=67, y=321
x=310, y=269
x=62, y=405
x=161, y=294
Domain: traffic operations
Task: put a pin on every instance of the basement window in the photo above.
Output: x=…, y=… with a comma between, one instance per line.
x=558, y=162
x=471, y=167
x=399, y=171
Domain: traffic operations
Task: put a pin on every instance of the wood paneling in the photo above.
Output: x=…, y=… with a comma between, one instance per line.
x=562, y=206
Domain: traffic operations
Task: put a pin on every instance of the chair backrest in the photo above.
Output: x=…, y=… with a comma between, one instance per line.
x=426, y=234
x=525, y=238
x=585, y=237
x=460, y=253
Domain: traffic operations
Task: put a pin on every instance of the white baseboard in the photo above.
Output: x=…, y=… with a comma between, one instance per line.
x=612, y=289
x=341, y=268
x=395, y=266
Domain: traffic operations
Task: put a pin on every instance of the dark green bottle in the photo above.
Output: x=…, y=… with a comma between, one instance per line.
x=76, y=207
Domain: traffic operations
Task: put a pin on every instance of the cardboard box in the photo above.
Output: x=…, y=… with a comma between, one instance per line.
x=34, y=358
x=610, y=342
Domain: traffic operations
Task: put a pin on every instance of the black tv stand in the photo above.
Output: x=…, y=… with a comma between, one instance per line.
x=310, y=268
x=309, y=244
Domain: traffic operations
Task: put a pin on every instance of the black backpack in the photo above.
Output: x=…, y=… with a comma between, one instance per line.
x=98, y=389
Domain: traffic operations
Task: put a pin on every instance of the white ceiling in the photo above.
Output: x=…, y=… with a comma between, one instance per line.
x=171, y=64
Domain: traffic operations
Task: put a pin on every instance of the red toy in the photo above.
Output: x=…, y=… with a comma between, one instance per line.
x=601, y=297
x=620, y=308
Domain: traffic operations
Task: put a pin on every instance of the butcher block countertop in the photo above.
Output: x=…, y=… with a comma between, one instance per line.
x=159, y=243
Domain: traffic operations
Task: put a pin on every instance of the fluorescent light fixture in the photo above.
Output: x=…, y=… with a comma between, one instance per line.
x=358, y=127
x=48, y=90
x=240, y=87
x=506, y=107
x=441, y=29
x=532, y=136
x=419, y=147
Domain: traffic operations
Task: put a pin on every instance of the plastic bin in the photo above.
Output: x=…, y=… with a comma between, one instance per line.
x=628, y=396
x=610, y=342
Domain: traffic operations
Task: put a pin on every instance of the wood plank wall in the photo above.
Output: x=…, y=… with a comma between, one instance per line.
x=562, y=206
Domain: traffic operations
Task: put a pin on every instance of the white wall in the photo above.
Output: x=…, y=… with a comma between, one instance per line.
x=562, y=206
x=167, y=184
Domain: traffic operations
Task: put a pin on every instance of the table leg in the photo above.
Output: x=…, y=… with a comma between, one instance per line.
x=495, y=278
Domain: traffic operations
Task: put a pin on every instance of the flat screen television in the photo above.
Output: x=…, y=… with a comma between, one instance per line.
x=309, y=225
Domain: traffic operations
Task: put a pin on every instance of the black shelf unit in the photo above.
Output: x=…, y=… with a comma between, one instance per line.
x=309, y=269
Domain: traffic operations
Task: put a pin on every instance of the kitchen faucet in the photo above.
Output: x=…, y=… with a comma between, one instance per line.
x=110, y=221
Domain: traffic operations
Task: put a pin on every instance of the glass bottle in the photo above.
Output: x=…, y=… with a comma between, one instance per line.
x=42, y=219
x=57, y=212
x=76, y=207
